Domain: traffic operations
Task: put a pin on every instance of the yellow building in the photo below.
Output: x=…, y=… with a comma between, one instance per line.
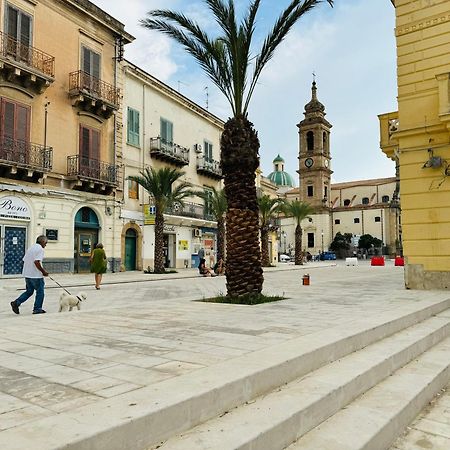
x=417, y=136
x=60, y=152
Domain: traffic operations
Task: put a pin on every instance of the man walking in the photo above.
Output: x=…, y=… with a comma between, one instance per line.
x=34, y=274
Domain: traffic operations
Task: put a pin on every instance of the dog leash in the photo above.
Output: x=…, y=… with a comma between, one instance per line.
x=59, y=285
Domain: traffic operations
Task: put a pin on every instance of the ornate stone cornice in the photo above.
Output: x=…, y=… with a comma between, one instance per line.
x=422, y=24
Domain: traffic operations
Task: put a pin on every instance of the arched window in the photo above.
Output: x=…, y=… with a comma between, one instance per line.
x=346, y=202
x=310, y=141
x=385, y=199
x=365, y=200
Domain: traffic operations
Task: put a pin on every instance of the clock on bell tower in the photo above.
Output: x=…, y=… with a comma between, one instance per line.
x=314, y=154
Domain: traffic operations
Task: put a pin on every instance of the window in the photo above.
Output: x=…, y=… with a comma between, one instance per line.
x=208, y=151
x=310, y=191
x=365, y=200
x=377, y=219
x=356, y=220
x=310, y=141
x=133, y=127
x=346, y=202
x=166, y=132
x=133, y=189
x=337, y=221
x=325, y=192
x=310, y=240
x=14, y=121
x=18, y=26
x=385, y=199
x=90, y=62
x=324, y=142
x=89, y=144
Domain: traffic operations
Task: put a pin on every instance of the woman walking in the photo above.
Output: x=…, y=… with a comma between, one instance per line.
x=98, y=264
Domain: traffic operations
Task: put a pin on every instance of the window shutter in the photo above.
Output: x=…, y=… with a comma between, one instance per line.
x=25, y=30
x=8, y=119
x=23, y=123
x=13, y=19
x=84, y=142
x=95, y=65
x=86, y=62
x=95, y=145
x=133, y=127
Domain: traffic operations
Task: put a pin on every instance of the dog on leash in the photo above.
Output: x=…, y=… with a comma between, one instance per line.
x=68, y=301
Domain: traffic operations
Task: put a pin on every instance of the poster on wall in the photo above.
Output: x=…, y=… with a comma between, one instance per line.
x=149, y=214
x=183, y=245
x=208, y=243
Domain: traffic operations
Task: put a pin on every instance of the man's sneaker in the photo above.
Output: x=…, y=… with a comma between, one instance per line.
x=40, y=311
x=15, y=307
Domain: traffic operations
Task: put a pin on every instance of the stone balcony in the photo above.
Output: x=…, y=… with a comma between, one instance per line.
x=169, y=152
x=25, y=66
x=209, y=168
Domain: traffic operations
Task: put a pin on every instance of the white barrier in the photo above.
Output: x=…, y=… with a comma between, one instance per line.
x=351, y=261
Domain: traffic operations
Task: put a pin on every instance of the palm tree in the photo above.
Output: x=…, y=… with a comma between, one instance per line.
x=159, y=183
x=226, y=59
x=299, y=211
x=217, y=205
x=268, y=209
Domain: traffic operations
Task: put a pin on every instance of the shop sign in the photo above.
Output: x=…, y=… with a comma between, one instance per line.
x=14, y=208
x=149, y=214
x=169, y=229
x=183, y=244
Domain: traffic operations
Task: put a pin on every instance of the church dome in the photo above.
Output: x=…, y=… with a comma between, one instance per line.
x=279, y=176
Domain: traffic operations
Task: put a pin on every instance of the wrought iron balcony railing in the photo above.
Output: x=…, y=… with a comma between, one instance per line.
x=169, y=151
x=25, y=154
x=12, y=49
x=91, y=169
x=209, y=167
x=194, y=210
x=82, y=83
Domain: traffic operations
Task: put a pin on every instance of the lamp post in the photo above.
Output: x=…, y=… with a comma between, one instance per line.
x=322, y=240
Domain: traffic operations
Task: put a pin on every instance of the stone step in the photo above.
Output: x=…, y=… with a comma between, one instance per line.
x=377, y=418
x=150, y=415
x=275, y=420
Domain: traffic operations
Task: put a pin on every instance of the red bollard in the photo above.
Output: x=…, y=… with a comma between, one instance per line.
x=305, y=279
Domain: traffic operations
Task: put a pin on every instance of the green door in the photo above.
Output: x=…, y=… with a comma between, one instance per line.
x=130, y=249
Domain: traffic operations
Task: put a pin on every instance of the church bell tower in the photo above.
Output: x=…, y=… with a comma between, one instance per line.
x=314, y=155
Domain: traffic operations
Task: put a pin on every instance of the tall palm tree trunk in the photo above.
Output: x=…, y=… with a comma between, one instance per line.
x=239, y=159
x=159, y=243
x=298, y=246
x=220, y=238
x=265, y=247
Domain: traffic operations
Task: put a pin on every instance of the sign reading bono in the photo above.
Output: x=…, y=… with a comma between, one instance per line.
x=14, y=208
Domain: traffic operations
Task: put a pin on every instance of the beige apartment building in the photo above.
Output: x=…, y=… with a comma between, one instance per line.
x=163, y=128
x=60, y=152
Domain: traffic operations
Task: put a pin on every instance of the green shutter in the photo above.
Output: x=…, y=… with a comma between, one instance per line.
x=133, y=127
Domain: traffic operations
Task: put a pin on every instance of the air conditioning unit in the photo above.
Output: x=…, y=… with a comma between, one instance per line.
x=198, y=148
x=197, y=232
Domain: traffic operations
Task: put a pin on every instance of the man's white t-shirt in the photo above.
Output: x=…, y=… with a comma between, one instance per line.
x=34, y=253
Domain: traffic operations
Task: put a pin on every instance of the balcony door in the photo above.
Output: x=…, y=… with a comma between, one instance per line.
x=90, y=67
x=19, y=28
x=14, y=131
x=89, y=152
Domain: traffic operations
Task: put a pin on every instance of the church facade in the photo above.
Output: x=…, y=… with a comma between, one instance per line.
x=357, y=207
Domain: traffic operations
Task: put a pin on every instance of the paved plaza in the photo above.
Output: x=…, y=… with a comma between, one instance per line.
x=141, y=330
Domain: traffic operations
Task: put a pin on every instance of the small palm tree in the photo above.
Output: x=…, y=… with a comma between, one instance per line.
x=228, y=61
x=299, y=211
x=159, y=183
x=217, y=205
x=268, y=209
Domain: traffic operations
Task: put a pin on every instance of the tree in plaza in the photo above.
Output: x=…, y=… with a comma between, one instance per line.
x=268, y=209
x=216, y=203
x=228, y=61
x=164, y=193
x=299, y=211
x=367, y=241
x=341, y=243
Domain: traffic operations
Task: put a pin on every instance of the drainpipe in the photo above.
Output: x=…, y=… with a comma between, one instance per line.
x=113, y=269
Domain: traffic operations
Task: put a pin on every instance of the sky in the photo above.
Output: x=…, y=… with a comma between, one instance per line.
x=350, y=48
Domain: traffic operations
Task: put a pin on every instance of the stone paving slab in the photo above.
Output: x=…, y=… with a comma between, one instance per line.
x=133, y=334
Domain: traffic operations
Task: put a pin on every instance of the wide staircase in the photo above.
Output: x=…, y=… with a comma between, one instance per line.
x=351, y=387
